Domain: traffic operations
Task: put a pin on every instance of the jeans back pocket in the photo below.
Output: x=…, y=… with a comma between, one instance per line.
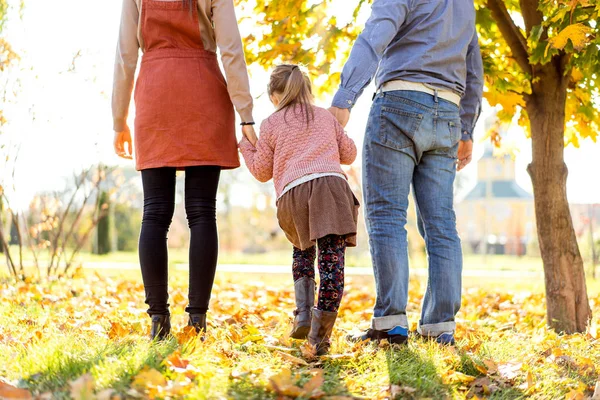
x=398, y=127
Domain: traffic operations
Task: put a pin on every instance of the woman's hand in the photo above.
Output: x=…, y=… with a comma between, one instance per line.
x=122, y=143
x=250, y=134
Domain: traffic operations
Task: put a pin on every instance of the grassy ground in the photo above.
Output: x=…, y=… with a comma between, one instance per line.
x=353, y=259
x=68, y=339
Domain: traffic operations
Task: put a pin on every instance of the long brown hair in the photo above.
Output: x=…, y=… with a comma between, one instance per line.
x=295, y=89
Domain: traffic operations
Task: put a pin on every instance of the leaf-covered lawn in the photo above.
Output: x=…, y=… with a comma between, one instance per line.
x=87, y=338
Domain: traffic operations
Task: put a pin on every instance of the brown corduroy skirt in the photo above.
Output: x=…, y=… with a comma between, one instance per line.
x=318, y=208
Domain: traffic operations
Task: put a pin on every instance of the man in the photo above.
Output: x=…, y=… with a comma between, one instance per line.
x=429, y=77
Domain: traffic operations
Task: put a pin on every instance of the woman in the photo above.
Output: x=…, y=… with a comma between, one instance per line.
x=184, y=121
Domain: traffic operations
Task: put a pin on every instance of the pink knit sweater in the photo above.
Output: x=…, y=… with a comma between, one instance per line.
x=288, y=150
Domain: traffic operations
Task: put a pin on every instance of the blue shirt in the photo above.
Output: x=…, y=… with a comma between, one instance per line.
x=427, y=41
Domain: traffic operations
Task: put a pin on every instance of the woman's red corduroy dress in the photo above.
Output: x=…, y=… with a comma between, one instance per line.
x=184, y=115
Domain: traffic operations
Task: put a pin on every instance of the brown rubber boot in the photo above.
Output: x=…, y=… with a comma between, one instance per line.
x=320, y=330
x=305, y=301
x=161, y=327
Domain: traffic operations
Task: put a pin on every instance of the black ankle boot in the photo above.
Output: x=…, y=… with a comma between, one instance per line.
x=198, y=321
x=161, y=327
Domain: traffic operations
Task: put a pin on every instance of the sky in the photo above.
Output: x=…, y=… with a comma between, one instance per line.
x=62, y=118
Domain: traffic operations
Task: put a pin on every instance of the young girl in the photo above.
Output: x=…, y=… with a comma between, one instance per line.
x=301, y=147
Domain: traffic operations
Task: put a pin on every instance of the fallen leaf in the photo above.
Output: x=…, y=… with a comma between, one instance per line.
x=313, y=386
x=291, y=358
x=509, y=370
x=491, y=366
x=117, y=330
x=481, y=369
x=574, y=395
x=308, y=351
x=282, y=384
x=107, y=394
x=83, y=387
x=529, y=380
x=10, y=392
x=596, y=395
x=176, y=362
x=186, y=335
x=458, y=377
x=397, y=390
x=148, y=378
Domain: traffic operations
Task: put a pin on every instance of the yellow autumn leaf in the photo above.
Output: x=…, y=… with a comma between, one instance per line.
x=530, y=382
x=176, y=361
x=575, y=395
x=576, y=75
x=148, y=378
x=508, y=100
x=458, y=377
x=282, y=384
x=491, y=366
x=186, y=335
x=313, y=386
x=576, y=33
x=291, y=358
x=117, y=330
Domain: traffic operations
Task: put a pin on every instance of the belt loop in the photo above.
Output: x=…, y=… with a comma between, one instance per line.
x=435, y=95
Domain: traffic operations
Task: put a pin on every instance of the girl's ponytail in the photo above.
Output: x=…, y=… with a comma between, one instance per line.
x=294, y=87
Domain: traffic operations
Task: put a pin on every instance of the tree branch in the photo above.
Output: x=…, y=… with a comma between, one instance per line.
x=531, y=15
x=9, y=260
x=514, y=38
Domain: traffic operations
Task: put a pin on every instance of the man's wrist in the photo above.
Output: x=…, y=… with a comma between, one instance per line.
x=466, y=136
x=344, y=99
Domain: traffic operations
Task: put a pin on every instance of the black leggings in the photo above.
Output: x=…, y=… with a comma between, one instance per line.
x=200, y=205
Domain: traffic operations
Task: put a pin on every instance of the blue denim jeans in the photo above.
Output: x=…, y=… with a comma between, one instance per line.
x=412, y=138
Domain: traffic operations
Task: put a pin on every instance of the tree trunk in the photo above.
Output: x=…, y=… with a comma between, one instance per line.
x=566, y=294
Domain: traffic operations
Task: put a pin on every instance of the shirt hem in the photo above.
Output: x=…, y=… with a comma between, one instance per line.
x=184, y=164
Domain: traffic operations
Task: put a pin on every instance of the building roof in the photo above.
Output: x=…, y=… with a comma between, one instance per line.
x=500, y=189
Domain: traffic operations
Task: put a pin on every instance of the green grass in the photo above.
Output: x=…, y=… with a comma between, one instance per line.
x=354, y=258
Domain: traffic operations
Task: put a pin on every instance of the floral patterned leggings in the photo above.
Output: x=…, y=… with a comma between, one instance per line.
x=331, y=269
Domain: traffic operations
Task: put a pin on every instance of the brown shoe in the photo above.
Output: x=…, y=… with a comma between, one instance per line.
x=320, y=330
x=305, y=301
x=161, y=327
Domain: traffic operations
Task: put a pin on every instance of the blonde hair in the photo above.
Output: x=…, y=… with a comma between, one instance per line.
x=295, y=88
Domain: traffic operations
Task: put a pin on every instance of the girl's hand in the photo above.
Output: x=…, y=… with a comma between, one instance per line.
x=122, y=143
x=465, y=153
x=250, y=134
x=341, y=114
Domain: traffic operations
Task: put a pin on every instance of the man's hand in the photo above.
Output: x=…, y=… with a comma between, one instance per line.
x=341, y=114
x=122, y=143
x=465, y=153
x=250, y=134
